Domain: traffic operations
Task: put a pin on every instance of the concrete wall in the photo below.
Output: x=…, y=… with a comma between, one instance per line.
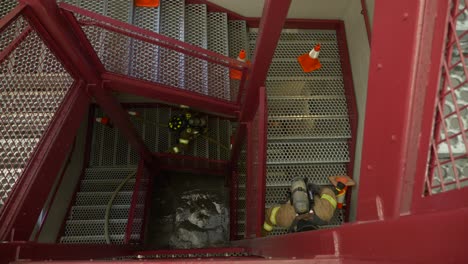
x=319, y=9
x=59, y=209
x=359, y=52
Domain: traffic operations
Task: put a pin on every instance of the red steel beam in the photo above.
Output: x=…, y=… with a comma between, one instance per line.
x=26, y=201
x=438, y=237
x=395, y=99
x=271, y=24
x=25, y=250
x=164, y=93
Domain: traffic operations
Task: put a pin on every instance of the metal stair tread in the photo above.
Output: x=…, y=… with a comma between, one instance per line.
x=106, y=185
x=335, y=151
x=300, y=35
x=308, y=128
x=97, y=212
x=99, y=239
x=307, y=107
x=96, y=227
x=305, y=87
x=290, y=67
x=291, y=50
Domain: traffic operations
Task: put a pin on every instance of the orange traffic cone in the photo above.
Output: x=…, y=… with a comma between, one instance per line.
x=236, y=74
x=309, y=61
x=147, y=3
x=104, y=121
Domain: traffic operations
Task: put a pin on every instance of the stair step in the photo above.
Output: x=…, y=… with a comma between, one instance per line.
x=308, y=128
x=305, y=87
x=145, y=56
x=115, y=239
x=172, y=25
x=196, y=33
x=313, y=106
x=102, y=198
x=293, y=49
x=282, y=175
x=108, y=173
x=98, y=212
x=311, y=36
x=307, y=152
x=218, y=80
x=291, y=68
x=106, y=185
x=96, y=227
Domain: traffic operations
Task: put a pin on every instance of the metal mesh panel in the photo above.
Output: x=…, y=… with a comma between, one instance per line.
x=117, y=9
x=307, y=152
x=318, y=106
x=7, y=6
x=242, y=180
x=102, y=198
x=282, y=175
x=308, y=128
x=448, y=168
x=196, y=33
x=306, y=87
x=115, y=239
x=310, y=36
x=105, y=185
x=144, y=58
x=96, y=227
x=218, y=42
x=33, y=84
x=292, y=49
x=290, y=67
x=98, y=212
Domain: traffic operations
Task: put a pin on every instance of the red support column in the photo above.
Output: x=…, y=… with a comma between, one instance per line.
x=396, y=90
x=271, y=24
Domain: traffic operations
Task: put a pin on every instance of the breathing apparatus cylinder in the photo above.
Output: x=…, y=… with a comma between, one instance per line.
x=299, y=196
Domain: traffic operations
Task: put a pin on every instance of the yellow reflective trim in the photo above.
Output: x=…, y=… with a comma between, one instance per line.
x=273, y=215
x=175, y=149
x=267, y=227
x=330, y=199
x=183, y=141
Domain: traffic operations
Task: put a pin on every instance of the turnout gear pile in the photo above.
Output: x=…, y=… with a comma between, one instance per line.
x=188, y=126
x=309, y=207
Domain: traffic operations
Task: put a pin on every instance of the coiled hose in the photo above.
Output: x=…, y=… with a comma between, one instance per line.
x=109, y=206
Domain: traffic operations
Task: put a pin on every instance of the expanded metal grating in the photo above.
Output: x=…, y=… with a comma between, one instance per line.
x=308, y=128
x=33, y=84
x=448, y=168
x=115, y=239
x=102, y=198
x=117, y=9
x=292, y=49
x=218, y=81
x=282, y=175
x=110, y=148
x=6, y=7
x=96, y=227
x=305, y=87
x=312, y=106
x=291, y=68
x=144, y=58
x=98, y=212
x=312, y=36
x=196, y=33
x=307, y=152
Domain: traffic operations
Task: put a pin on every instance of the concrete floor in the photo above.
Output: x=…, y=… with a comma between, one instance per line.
x=190, y=211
